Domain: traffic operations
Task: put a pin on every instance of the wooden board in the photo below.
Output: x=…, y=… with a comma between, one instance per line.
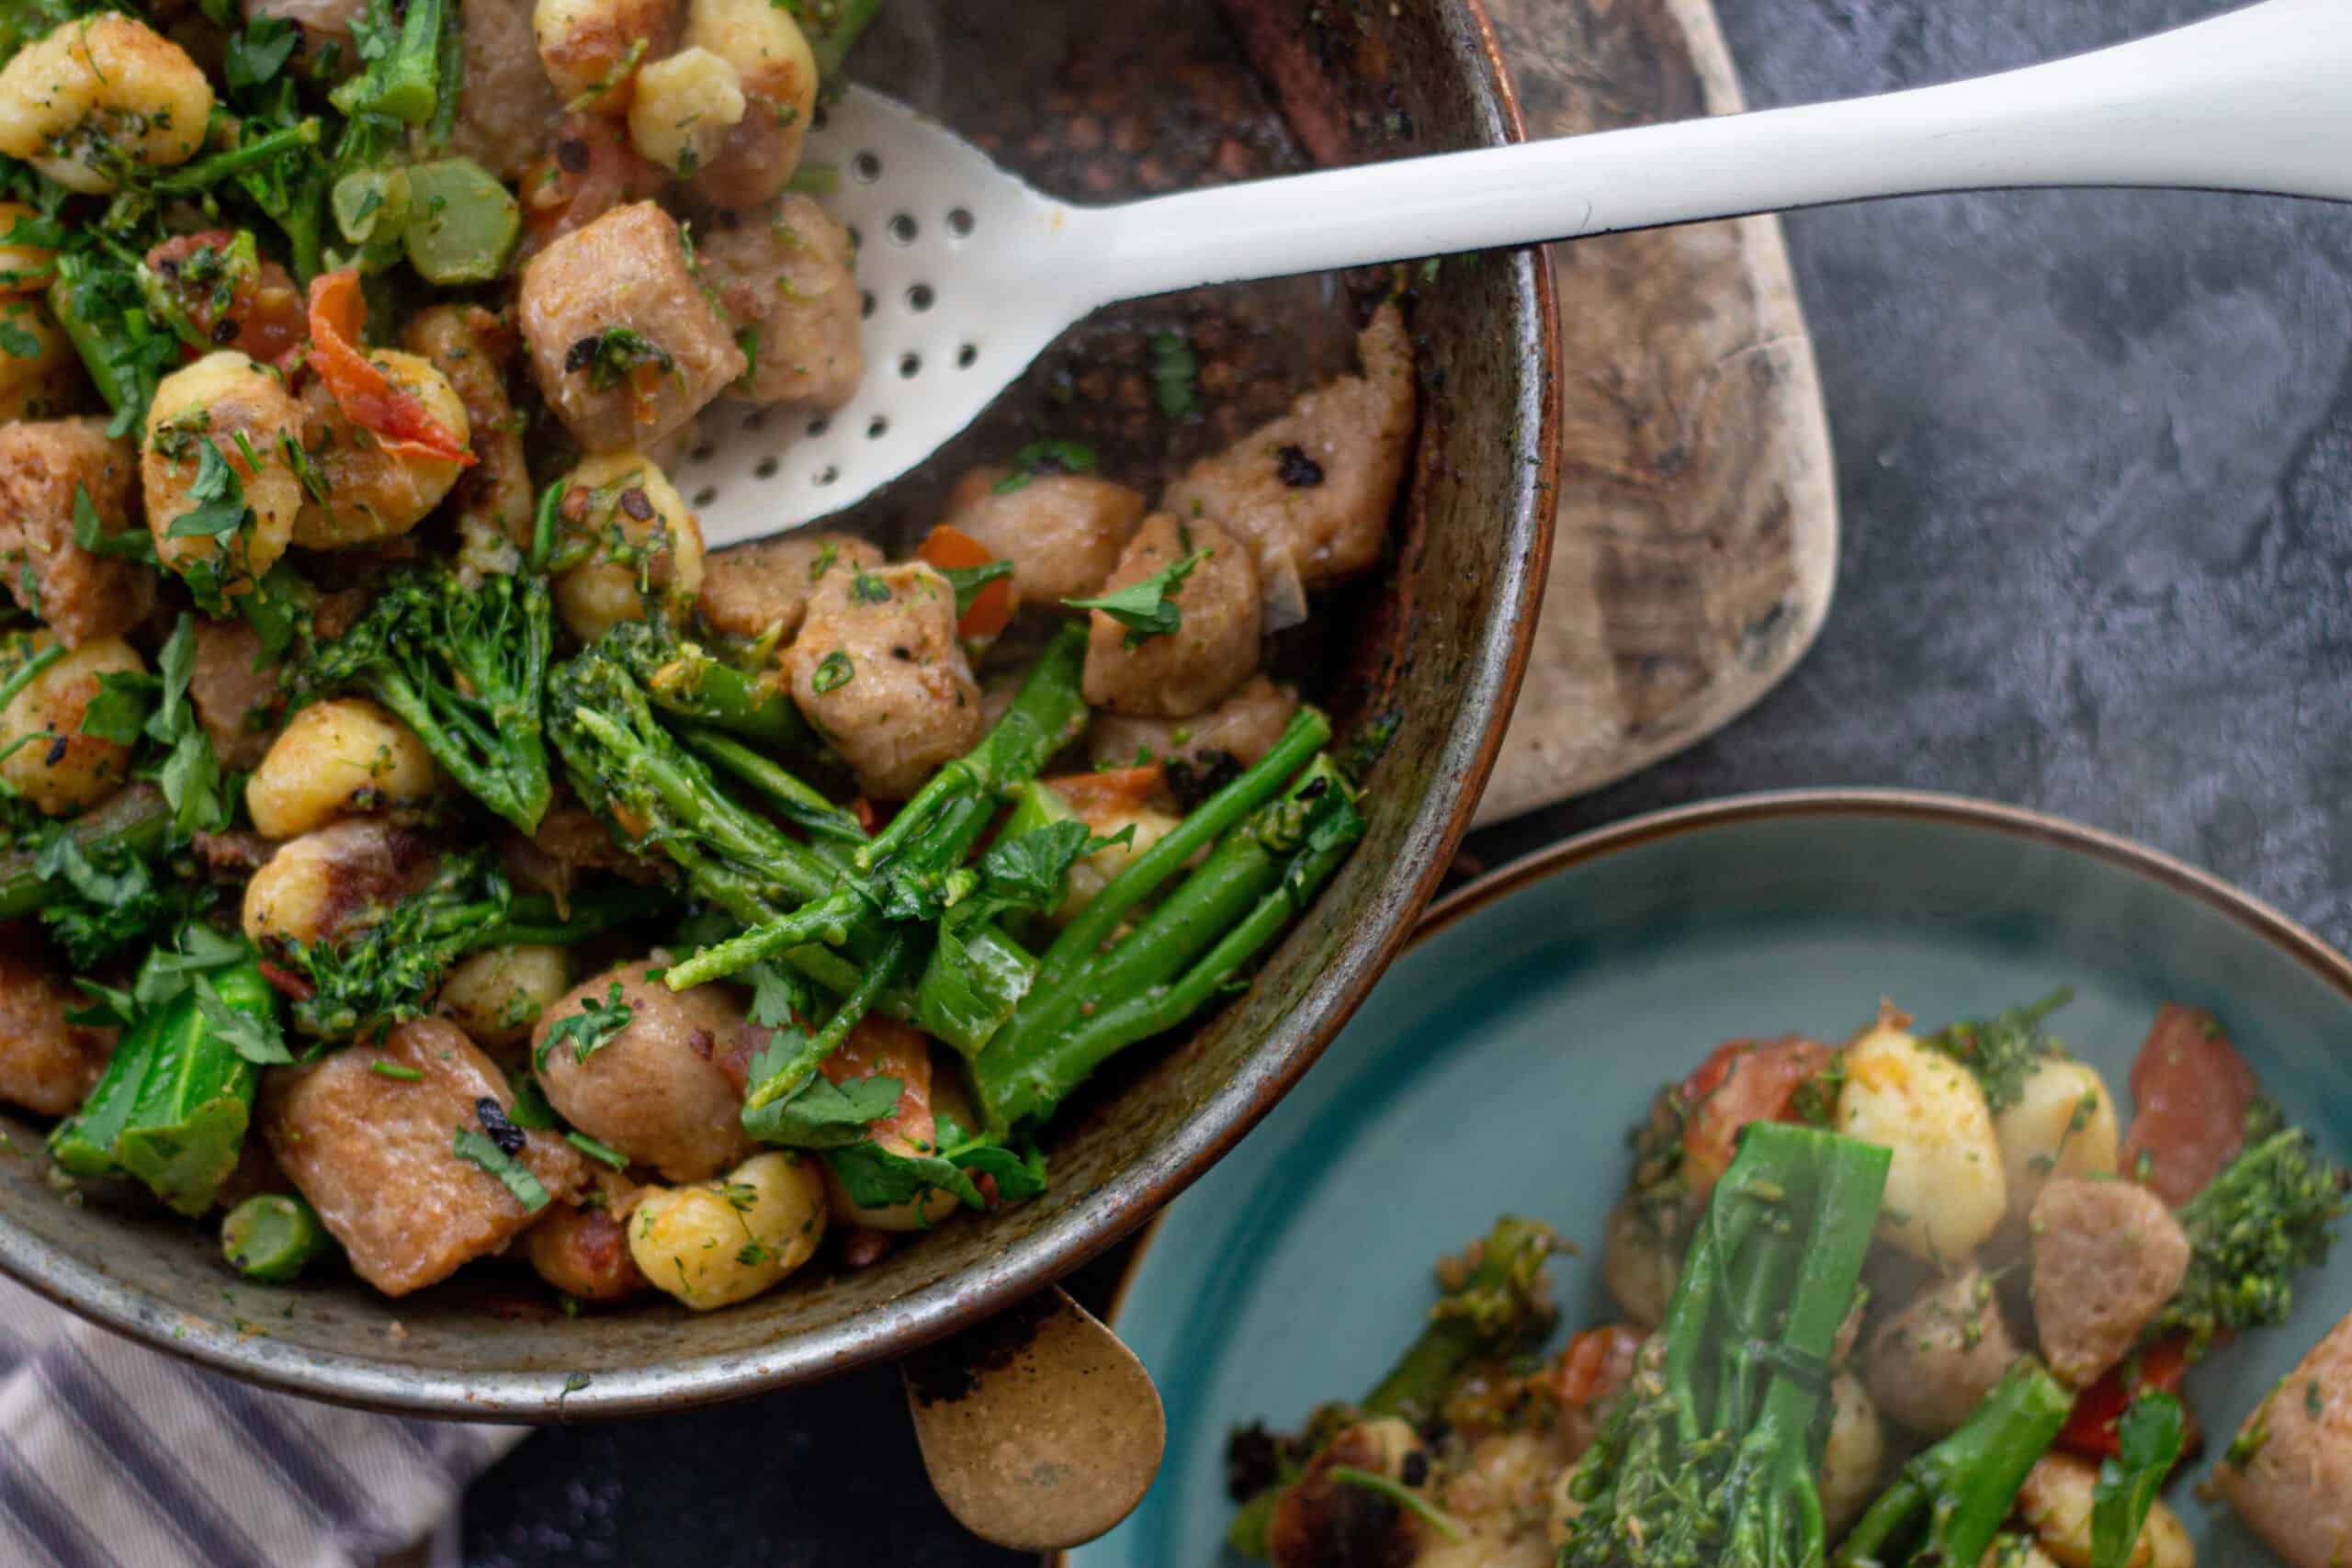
x=1697, y=539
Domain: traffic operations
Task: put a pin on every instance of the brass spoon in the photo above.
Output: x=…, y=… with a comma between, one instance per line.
x=1040, y=1429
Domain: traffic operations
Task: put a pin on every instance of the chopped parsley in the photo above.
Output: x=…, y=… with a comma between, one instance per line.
x=1175, y=375
x=473, y=1144
x=864, y=588
x=614, y=355
x=400, y=1070
x=16, y=342
x=1146, y=607
x=590, y=1030
x=218, y=494
x=834, y=672
x=603, y=1154
x=968, y=581
x=1051, y=456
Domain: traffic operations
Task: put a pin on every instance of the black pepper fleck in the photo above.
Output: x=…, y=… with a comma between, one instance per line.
x=1415, y=1468
x=504, y=1133
x=581, y=355
x=901, y=653
x=572, y=155
x=1296, y=469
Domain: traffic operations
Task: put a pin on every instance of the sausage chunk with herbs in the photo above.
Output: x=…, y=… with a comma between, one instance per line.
x=753, y=589
x=491, y=501
x=632, y=1064
x=378, y=1155
x=877, y=670
x=624, y=345
x=1317, y=484
x=1062, y=533
x=505, y=104
x=47, y=1062
x=2289, y=1473
x=1931, y=1363
x=47, y=472
x=1206, y=750
x=785, y=276
x=2107, y=1257
x=1199, y=644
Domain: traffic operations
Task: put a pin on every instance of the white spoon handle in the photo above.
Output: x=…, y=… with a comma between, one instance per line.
x=2258, y=99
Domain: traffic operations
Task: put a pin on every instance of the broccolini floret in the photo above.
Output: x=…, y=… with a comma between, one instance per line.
x=2270, y=1213
x=1712, y=1455
x=465, y=665
x=2003, y=1051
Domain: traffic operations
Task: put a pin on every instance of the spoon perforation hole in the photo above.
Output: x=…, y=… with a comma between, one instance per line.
x=866, y=308
x=701, y=454
x=766, y=468
x=921, y=298
x=867, y=167
x=705, y=495
x=903, y=228
x=909, y=366
x=755, y=421
x=878, y=429
x=960, y=222
x=819, y=425
x=966, y=355
x=827, y=475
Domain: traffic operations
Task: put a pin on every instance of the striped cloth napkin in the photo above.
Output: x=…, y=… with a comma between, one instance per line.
x=114, y=1456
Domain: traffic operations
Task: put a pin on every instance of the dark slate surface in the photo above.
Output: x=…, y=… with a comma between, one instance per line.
x=2095, y=457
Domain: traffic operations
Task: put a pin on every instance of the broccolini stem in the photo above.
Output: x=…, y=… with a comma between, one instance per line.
x=827, y=919
x=693, y=684
x=892, y=962
x=1260, y=874
x=535, y=921
x=1046, y=714
x=1084, y=937
x=1499, y=1307
x=204, y=172
x=799, y=803
x=836, y=26
x=1962, y=1488
x=25, y=675
x=137, y=821
x=1152, y=1005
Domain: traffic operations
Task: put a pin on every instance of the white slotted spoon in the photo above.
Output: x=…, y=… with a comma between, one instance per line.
x=972, y=274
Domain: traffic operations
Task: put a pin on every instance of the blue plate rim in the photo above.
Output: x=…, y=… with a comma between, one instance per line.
x=2298, y=940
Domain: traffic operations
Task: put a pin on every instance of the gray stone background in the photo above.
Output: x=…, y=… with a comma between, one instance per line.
x=2095, y=452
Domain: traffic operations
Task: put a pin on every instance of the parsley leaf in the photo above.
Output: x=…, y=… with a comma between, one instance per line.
x=968, y=581
x=173, y=967
x=259, y=52
x=874, y=1178
x=90, y=534
x=16, y=342
x=823, y=1115
x=121, y=709
x=775, y=995
x=591, y=1028
x=1147, y=606
x=603, y=1154
x=2148, y=1443
x=1051, y=456
x=474, y=1145
x=530, y=1109
x=218, y=494
x=864, y=588
x=254, y=1036
x=1032, y=872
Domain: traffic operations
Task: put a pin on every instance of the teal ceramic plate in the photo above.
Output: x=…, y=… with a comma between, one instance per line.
x=1499, y=1064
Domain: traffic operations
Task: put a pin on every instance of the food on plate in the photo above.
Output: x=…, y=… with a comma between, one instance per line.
x=418, y=849
x=1805, y=1371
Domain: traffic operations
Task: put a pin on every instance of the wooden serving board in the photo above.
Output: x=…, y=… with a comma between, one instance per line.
x=1697, y=537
